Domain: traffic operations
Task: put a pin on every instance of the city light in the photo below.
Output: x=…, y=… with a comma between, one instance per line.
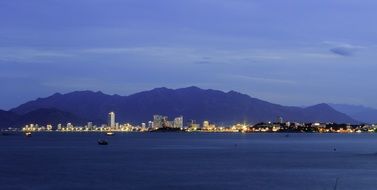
x=161, y=123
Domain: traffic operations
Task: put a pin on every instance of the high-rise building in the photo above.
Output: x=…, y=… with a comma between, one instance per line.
x=208, y=126
x=159, y=121
x=111, y=120
x=205, y=124
x=178, y=122
x=69, y=126
x=90, y=125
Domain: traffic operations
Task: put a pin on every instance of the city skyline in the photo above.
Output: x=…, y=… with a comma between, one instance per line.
x=161, y=123
x=291, y=53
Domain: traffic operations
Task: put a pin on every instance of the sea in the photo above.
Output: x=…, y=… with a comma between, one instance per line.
x=192, y=161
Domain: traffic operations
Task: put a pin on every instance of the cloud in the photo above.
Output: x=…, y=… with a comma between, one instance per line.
x=213, y=56
x=342, y=51
x=342, y=44
x=31, y=54
x=179, y=55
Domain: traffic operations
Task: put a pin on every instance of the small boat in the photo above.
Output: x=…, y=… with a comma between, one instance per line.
x=28, y=134
x=110, y=134
x=102, y=142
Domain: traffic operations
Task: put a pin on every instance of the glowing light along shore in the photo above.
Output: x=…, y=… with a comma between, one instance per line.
x=161, y=123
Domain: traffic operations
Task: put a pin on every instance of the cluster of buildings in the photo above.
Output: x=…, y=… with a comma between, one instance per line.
x=312, y=128
x=162, y=122
x=158, y=122
x=111, y=125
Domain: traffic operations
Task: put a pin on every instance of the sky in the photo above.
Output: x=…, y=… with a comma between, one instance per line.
x=291, y=52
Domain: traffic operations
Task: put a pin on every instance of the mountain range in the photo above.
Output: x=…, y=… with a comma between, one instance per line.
x=360, y=113
x=192, y=102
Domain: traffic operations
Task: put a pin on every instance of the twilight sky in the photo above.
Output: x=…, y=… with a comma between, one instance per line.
x=291, y=52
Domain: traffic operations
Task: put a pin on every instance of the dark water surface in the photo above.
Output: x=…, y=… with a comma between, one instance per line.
x=188, y=161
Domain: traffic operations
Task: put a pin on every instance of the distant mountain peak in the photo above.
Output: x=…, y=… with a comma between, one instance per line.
x=178, y=89
x=236, y=93
x=321, y=105
x=161, y=88
x=99, y=92
x=190, y=88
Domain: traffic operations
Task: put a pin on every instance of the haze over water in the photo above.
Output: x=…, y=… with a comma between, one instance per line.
x=188, y=161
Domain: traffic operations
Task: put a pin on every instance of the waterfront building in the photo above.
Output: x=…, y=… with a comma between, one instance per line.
x=193, y=127
x=90, y=125
x=212, y=127
x=159, y=121
x=239, y=127
x=205, y=124
x=208, y=127
x=178, y=122
x=111, y=120
x=168, y=124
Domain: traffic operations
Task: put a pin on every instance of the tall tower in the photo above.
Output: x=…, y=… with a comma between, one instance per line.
x=111, y=120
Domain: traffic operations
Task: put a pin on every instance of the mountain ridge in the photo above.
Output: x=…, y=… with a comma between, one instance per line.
x=358, y=112
x=191, y=102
